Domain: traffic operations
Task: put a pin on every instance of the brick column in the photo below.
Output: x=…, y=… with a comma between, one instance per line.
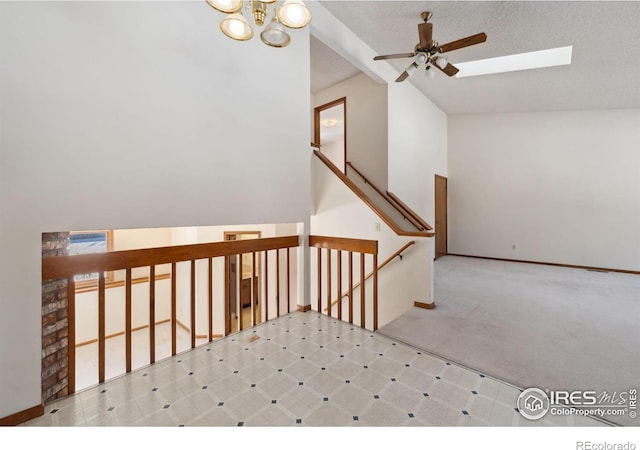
x=55, y=327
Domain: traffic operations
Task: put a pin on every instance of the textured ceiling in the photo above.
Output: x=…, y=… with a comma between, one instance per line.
x=327, y=67
x=605, y=70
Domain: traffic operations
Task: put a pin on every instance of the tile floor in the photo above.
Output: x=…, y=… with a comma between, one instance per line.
x=87, y=355
x=304, y=369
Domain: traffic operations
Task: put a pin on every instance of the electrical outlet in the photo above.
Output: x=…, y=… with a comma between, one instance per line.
x=378, y=226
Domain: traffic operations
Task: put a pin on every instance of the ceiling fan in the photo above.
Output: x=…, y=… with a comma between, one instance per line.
x=428, y=51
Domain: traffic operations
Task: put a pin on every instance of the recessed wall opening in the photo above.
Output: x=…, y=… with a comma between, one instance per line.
x=98, y=324
x=330, y=131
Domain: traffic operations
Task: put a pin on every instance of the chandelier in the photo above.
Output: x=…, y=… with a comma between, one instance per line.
x=291, y=14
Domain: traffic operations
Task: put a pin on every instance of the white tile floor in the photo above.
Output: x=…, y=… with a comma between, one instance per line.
x=305, y=369
x=87, y=355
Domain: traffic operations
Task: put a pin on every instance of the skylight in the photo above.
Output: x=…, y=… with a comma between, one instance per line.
x=522, y=61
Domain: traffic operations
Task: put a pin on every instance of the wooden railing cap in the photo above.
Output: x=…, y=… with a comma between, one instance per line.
x=344, y=244
x=67, y=266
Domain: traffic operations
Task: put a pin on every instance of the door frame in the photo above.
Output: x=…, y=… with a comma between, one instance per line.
x=441, y=232
x=316, y=125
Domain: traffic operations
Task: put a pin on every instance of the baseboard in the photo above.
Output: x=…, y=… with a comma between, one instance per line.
x=22, y=416
x=120, y=333
x=304, y=308
x=571, y=266
x=188, y=330
x=424, y=305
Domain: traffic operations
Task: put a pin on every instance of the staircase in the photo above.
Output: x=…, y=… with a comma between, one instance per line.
x=389, y=208
x=351, y=205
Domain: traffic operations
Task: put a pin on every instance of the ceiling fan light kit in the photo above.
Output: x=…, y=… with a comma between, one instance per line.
x=442, y=61
x=427, y=52
x=292, y=14
x=430, y=72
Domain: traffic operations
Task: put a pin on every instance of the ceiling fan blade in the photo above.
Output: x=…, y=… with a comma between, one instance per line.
x=464, y=42
x=394, y=56
x=425, y=31
x=402, y=77
x=449, y=69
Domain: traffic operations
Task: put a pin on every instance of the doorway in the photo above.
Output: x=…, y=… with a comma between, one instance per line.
x=330, y=131
x=441, y=216
x=242, y=285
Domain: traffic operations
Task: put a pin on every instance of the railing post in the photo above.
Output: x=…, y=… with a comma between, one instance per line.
x=210, y=294
x=351, y=287
x=375, y=291
x=339, y=286
x=362, y=296
x=174, y=330
x=254, y=291
x=193, y=303
x=71, y=321
x=227, y=295
x=152, y=314
x=238, y=298
x=266, y=285
x=128, y=319
x=319, y=279
x=329, y=281
x=101, y=327
x=288, y=281
x=278, y=283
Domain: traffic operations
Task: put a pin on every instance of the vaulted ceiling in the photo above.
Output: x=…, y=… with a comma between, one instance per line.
x=604, y=73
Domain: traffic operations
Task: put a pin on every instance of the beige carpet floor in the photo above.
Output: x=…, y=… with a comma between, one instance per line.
x=532, y=325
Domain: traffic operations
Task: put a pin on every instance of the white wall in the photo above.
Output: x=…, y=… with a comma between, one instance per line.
x=417, y=148
x=335, y=152
x=134, y=115
x=142, y=238
x=563, y=187
x=366, y=124
x=340, y=213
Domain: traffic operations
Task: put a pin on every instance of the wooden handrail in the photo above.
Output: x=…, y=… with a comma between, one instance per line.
x=410, y=211
x=344, y=244
x=65, y=266
x=356, y=190
x=387, y=261
x=405, y=214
